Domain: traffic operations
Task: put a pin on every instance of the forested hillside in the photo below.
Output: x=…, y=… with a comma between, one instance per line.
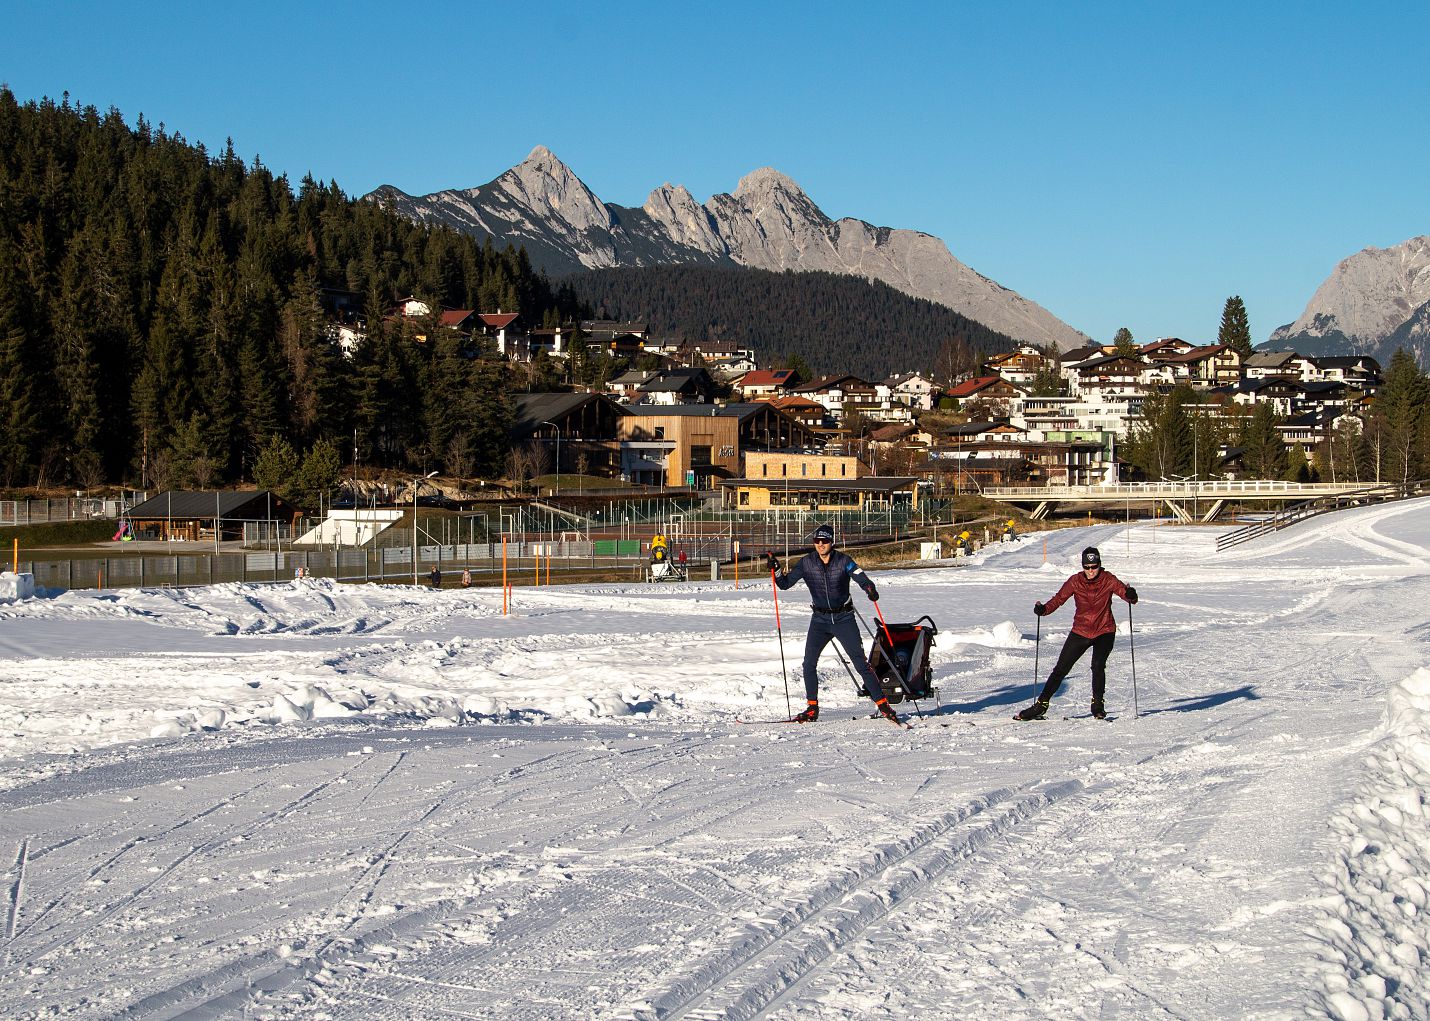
x=834, y=323
x=161, y=316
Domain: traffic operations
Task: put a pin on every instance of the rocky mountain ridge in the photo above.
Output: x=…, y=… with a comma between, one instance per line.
x=768, y=222
x=1373, y=302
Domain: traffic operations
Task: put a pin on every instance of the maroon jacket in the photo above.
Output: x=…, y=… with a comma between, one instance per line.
x=1092, y=600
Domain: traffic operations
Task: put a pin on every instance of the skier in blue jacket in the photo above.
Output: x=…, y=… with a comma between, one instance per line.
x=828, y=573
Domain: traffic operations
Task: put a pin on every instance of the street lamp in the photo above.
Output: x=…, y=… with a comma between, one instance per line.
x=414, y=523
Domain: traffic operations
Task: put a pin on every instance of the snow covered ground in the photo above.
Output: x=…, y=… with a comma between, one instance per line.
x=311, y=801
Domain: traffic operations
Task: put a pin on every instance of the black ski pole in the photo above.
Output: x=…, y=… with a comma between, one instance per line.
x=1132, y=642
x=779, y=630
x=1037, y=646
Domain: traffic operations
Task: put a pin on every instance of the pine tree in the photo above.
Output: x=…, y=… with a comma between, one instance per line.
x=1235, y=331
x=1124, y=345
x=1263, y=451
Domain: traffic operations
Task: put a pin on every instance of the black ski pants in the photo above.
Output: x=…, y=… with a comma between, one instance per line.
x=826, y=627
x=1073, y=649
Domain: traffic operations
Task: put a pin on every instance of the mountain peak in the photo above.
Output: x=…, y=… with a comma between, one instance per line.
x=765, y=180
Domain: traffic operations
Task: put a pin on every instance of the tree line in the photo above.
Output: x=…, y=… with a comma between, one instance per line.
x=165, y=315
x=829, y=322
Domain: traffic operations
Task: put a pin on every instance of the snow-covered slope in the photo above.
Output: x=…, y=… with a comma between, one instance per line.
x=312, y=801
x=767, y=223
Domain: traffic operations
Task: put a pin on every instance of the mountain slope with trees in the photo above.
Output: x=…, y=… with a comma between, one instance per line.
x=830, y=322
x=162, y=320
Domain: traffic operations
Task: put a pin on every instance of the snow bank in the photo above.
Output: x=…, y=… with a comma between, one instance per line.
x=1375, y=929
x=16, y=586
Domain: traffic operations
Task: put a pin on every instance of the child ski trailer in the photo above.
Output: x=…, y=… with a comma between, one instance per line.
x=828, y=573
x=1093, y=628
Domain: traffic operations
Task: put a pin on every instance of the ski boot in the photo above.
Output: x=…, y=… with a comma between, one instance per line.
x=1036, y=711
x=886, y=710
x=1099, y=712
x=809, y=715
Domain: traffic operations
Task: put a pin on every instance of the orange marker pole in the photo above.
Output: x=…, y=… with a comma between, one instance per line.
x=505, y=590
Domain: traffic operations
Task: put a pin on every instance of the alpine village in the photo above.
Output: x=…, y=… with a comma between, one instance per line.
x=198, y=356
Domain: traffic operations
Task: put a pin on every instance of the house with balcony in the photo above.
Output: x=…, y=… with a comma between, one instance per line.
x=701, y=444
x=913, y=390
x=765, y=384
x=1020, y=366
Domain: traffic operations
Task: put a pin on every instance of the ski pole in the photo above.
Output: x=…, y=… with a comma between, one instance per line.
x=1132, y=640
x=1037, y=646
x=779, y=630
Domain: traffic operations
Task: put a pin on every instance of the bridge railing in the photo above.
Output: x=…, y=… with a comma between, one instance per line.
x=1245, y=488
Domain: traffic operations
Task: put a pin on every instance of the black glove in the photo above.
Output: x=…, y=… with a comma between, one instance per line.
x=1131, y=594
x=771, y=564
x=1039, y=610
x=873, y=594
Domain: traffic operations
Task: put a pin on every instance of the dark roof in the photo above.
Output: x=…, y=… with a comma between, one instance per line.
x=535, y=410
x=740, y=411
x=205, y=503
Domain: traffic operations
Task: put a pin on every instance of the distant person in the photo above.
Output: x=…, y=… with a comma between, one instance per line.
x=435, y=577
x=466, y=577
x=827, y=572
x=680, y=561
x=1093, y=628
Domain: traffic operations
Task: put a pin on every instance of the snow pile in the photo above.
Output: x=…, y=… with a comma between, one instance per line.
x=1377, y=927
x=16, y=586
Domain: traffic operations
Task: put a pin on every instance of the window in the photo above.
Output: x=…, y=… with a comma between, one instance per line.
x=700, y=456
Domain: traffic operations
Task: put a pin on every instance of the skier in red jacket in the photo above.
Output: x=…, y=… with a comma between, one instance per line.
x=1093, y=628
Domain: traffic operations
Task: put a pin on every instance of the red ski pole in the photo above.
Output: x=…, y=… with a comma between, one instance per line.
x=779, y=630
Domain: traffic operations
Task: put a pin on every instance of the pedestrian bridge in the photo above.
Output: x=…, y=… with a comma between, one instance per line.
x=1189, y=501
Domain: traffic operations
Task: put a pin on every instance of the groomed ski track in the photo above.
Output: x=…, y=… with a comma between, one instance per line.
x=682, y=866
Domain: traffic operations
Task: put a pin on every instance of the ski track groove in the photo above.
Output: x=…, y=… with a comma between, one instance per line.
x=786, y=958
x=17, y=890
x=247, y=828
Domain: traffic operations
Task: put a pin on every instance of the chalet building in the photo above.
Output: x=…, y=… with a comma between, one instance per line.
x=700, y=444
x=993, y=393
x=603, y=331
x=582, y=430
x=912, y=390
x=1020, y=367
x=724, y=358
x=504, y=330
x=1269, y=364
x=766, y=384
x=1358, y=371
x=1109, y=377
x=626, y=387
x=555, y=341
x=1166, y=347
x=1203, y=367
x=677, y=386
x=836, y=393
x=194, y=515
x=805, y=411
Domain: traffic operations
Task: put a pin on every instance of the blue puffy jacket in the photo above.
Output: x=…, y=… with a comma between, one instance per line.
x=828, y=583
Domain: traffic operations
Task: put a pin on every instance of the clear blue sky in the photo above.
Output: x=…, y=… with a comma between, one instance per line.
x=1121, y=164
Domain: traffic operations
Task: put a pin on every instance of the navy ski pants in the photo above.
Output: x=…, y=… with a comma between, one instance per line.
x=1073, y=649
x=824, y=627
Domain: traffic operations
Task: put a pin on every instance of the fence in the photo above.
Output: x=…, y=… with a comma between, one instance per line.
x=75, y=508
x=1310, y=508
x=525, y=560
